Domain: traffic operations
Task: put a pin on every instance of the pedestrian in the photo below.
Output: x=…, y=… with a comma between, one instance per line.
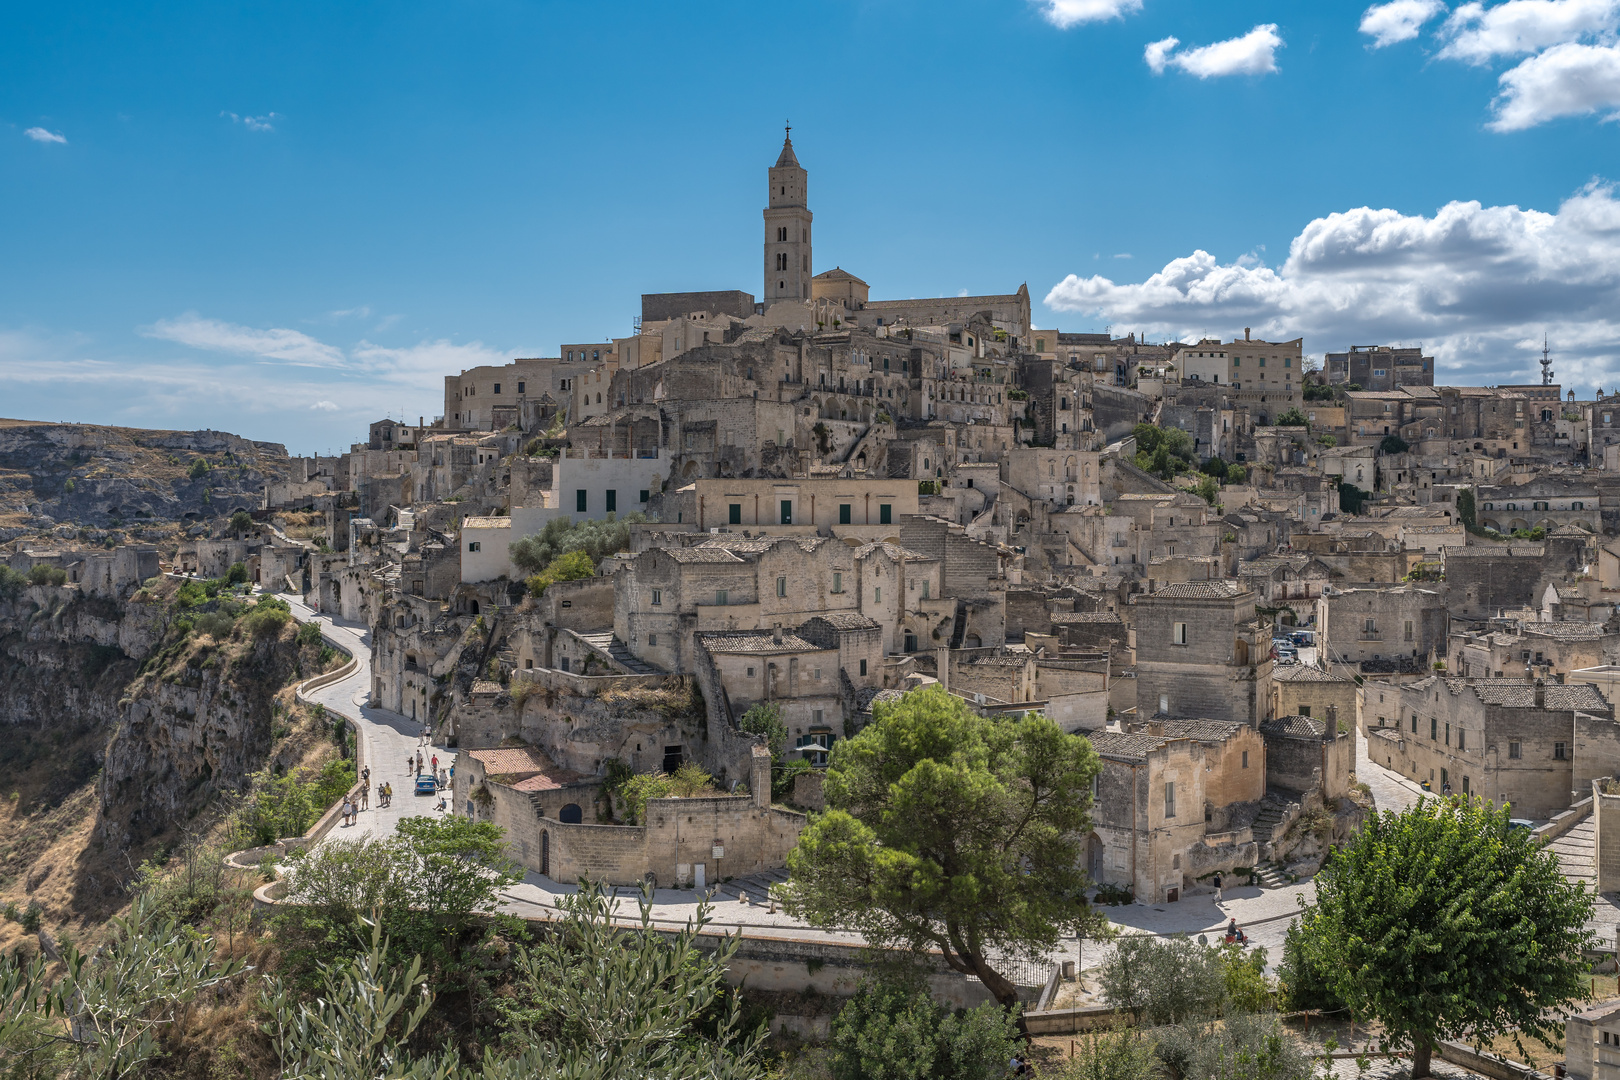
x=348, y=808
x=419, y=763
x=1217, y=886
x=409, y=761
x=382, y=796
x=388, y=790
x=444, y=781
x=365, y=796
x=365, y=774
x=435, y=762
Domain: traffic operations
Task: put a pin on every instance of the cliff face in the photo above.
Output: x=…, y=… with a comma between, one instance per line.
x=115, y=724
x=100, y=477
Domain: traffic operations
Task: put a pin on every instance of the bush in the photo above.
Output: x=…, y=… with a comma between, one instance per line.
x=1301, y=986
x=1243, y=1047
x=687, y=781
x=199, y=468
x=765, y=718
x=894, y=1029
x=11, y=583
x=1237, y=474
x=1214, y=467
x=1110, y=1055
x=598, y=539
x=241, y=522
x=46, y=574
x=1165, y=981
x=573, y=566
x=215, y=624
x=1292, y=418
x=1393, y=444
x=237, y=574
x=309, y=635
x=268, y=616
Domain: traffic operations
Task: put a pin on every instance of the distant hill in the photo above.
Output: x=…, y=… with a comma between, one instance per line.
x=60, y=479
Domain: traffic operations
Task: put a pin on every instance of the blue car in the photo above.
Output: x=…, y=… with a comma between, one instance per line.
x=426, y=785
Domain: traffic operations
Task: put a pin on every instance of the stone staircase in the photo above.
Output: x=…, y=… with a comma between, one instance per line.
x=1575, y=852
x=618, y=654
x=1270, y=876
x=959, y=627
x=1267, y=821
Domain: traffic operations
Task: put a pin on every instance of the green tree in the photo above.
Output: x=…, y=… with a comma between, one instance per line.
x=1122, y=1054
x=46, y=574
x=1244, y=1046
x=1164, y=981
x=1292, y=418
x=598, y=539
x=12, y=583
x=237, y=574
x=1208, y=489
x=241, y=522
x=947, y=830
x=267, y=617
x=1215, y=467
x=572, y=566
x=1393, y=444
x=1465, y=508
x=199, y=468
x=1445, y=921
x=892, y=1029
x=1237, y=474
x=110, y=1007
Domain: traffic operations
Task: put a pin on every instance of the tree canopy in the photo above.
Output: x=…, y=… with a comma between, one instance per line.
x=1445, y=921
x=598, y=539
x=947, y=830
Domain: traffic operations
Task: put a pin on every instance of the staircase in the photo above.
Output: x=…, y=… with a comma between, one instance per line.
x=959, y=628
x=1270, y=876
x=1266, y=821
x=618, y=654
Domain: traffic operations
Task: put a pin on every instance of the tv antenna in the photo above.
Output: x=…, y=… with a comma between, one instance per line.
x=1546, y=362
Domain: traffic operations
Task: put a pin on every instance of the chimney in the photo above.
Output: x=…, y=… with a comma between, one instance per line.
x=1541, y=693
x=776, y=633
x=1245, y=333
x=1332, y=722
x=1156, y=728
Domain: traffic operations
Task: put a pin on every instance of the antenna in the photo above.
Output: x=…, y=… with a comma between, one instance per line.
x=1546, y=362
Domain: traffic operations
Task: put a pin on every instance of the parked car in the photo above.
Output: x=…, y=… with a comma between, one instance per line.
x=426, y=785
x=1304, y=638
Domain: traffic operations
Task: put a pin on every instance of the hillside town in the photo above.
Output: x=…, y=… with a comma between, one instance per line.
x=1268, y=589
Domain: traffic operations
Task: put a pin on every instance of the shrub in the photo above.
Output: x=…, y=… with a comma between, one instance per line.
x=46, y=574
x=215, y=624
x=1165, y=981
x=1236, y=474
x=1301, y=986
x=765, y=718
x=572, y=566
x=1393, y=444
x=1125, y=1054
x=598, y=539
x=237, y=574
x=1250, y=1046
x=894, y=1028
x=309, y=635
x=199, y=468
x=1292, y=418
x=241, y=522
x=11, y=583
x=268, y=616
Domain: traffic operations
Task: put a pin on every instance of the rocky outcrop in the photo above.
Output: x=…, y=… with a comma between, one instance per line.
x=168, y=721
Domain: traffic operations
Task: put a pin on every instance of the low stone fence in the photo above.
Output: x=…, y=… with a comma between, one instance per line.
x=585, y=685
x=1562, y=823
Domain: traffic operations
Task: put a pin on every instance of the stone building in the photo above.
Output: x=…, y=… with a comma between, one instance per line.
x=1310, y=755
x=1148, y=815
x=1506, y=740
x=1355, y=626
x=1306, y=690
x=1201, y=650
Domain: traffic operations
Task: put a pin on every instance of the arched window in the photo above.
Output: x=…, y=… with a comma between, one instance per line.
x=571, y=814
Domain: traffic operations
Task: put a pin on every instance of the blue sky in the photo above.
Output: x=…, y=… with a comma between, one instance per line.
x=287, y=220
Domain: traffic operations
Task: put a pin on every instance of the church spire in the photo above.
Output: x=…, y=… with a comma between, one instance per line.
x=787, y=159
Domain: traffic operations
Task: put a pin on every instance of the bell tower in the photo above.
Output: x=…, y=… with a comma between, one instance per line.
x=787, y=229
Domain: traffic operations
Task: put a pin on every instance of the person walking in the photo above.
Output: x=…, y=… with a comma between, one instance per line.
x=365, y=775
x=365, y=796
x=389, y=789
x=348, y=808
x=435, y=762
x=409, y=763
x=419, y=763
x=1217, y=886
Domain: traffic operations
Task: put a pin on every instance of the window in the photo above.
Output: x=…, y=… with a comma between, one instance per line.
x=1408, y=629
x=925, y=588
x=1164, y=703
x=787, y=511
x=1462, y=738
x=750, y=673
x=474, y=545
x=1245, y=759
x=877, y=595
x=838, y=582
x=643, y=494
x=1558, y=751
x=1434, y=729
x=579, y=501
x=720, y=597
x=1515, y=750
x=520, y=388
x=883, y=514
x=818, y=674
x=1178, y=633
x=843, y=513
x=863, y=667
x=1370, y=626
x=658, y=598
x=497, y=388
x=652, y=639
x=612, y=500
x=1448, y=734
x=781, y=586
x=1170, y=798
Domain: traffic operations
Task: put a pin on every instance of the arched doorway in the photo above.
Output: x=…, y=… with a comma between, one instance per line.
x=571, y=814
x=1094, y=857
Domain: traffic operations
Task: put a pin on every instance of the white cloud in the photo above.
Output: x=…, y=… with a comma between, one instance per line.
x=1066, y=13
x=1398, y=20
x=255, y=123
x=1124, y=255
x=361, y=312
x=1252, y=54
x=1477, y=285
x=290, y=346
x=1477, y=34
x=39, y=134
x=1566, y=80
x=325, y=406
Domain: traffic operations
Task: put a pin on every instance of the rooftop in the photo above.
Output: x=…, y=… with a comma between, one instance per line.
x=754, y=641
x=1122, y=746
x=1196, y=590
